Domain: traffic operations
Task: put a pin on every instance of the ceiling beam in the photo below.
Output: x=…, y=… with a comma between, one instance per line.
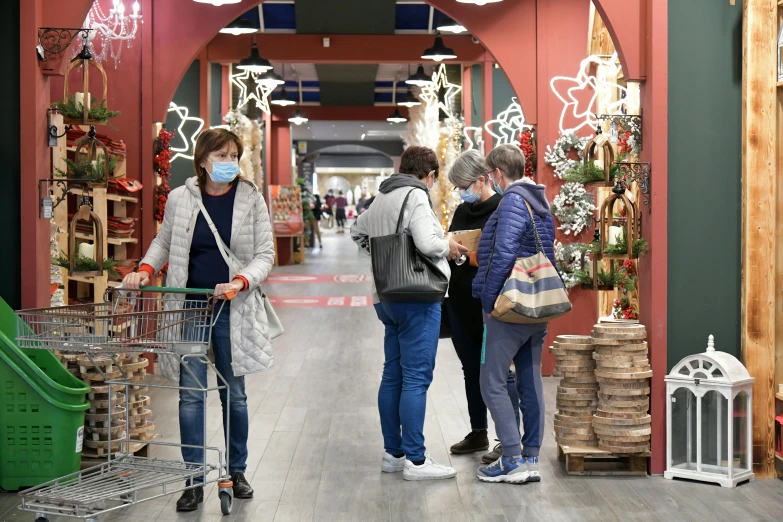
x=337, y=113
x=308, y=48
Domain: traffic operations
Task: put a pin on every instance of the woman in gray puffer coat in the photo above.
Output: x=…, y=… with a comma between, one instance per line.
x=240, y=335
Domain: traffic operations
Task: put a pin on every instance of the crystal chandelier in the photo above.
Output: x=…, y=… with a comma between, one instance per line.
x=116, y=26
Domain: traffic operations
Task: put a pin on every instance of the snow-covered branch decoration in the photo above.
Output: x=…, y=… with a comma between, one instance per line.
x=558, y=156
x=423, y=128
x=573, y=208
x=249, y=131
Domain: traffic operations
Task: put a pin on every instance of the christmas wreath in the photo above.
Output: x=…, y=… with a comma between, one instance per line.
x=569, y=262
x=162, y=163
x=573, y=208
x=558, y=156
x=528, y=145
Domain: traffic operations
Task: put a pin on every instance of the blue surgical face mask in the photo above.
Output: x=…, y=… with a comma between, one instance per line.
x=495, y=185
x=467, y=195
x=224, y=171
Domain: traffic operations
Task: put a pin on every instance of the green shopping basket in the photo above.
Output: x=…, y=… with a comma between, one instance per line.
x=41, y=412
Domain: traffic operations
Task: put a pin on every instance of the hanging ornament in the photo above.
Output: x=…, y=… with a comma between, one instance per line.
x=614, y=133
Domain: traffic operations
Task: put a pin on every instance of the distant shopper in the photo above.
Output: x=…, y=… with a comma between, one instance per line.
x=508, y=235
x=471, y=178
x=329, y=208
x=317, y=215
x=340, y=203
x=240, y=336
x=360, y=204
x=411, y=339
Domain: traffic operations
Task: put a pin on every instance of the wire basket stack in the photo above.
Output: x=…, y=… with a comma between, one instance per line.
x=577, y=395
x=622, y=422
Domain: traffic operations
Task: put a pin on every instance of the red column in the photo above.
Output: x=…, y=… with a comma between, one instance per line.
x=279, y=173
x=488, y=112
x=35, y=160
x=205, y=90
x=554, y=57
x=467, y=94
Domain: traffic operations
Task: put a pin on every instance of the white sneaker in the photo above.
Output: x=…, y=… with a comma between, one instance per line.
x=430, y=470
x=392, y=464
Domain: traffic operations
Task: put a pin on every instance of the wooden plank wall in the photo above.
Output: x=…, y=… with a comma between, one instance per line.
x=759, y=220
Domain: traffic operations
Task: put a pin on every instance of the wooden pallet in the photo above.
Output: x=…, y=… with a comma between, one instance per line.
x=583, y=461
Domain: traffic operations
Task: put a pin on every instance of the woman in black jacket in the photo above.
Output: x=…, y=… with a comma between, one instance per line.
x=470, y=176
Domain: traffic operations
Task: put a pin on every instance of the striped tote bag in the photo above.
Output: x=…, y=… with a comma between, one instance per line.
x=534, y=292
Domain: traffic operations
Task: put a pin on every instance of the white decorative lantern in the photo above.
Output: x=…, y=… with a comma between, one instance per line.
x=709, y=419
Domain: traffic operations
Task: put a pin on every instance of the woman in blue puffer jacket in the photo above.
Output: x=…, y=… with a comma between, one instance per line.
x=507, y=236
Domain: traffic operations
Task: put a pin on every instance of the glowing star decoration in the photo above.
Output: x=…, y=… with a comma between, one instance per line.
x=565, y=89
x=260, y=93
x=471, y=134
x=183, y=113
x=509, y=124
x=430, y=93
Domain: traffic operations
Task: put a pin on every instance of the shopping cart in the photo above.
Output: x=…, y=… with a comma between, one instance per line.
x=172, y=322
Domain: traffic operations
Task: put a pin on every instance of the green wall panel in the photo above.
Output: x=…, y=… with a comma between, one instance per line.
x=187, y=95
x=477, y=95
x=705, y=123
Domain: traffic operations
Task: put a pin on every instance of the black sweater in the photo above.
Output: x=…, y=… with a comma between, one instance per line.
x=469, y=216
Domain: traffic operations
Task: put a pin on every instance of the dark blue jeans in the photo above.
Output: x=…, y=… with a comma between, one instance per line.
x=191, y=403
x=410, y=345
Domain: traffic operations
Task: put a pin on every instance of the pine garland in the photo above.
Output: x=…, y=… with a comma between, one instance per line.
x=99, y=112
x=88, y=170
x=589, y=173
x=85, y=264
x=162, y=164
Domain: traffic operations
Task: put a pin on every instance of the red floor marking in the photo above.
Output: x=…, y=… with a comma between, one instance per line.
x=320, y=301
x=318, y=278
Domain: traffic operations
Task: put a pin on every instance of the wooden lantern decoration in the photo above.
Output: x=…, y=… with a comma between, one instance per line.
x=90, y=149
x=85, y=213
x=608, y=232
x=591, y=154
x=84, y=59
x=596, y=284
x=709, y=419
x=780, y=54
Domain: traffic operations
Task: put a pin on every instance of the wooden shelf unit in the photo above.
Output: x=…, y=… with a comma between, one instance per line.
x=103, y=203
x=778, y=355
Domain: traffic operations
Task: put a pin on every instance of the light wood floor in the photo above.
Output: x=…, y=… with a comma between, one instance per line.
x=315, y=440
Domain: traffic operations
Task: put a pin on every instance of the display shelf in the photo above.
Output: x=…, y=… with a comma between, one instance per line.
x=109, y=196
x=91, y=281
x=779, y=396
x=780, y=84
x=111, y=240
x=779, y=457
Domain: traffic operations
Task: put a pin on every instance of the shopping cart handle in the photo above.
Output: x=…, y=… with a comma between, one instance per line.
x=230, y=294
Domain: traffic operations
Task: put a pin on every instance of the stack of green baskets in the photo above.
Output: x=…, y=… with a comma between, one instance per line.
x=41, y=412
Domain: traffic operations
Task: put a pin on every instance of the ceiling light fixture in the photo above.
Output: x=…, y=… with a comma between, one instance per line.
x=449, y=25
x=217, y=3
x=478, y=2
x=419, y=78
x=298, y=118
x=283, y=100
x=240, y=26
x=439, y=52
x=254, y=63
x=409, y=100
x=396, y=117
x=270, y=79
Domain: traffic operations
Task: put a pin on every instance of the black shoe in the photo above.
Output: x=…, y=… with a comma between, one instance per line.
x=492, y=456
x=190, y=499
x=242, y=488
x=473, y=442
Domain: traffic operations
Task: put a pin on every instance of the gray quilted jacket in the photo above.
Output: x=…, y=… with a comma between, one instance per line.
x=251, y=242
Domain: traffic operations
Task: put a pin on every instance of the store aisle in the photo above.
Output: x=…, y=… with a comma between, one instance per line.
x=316, y=444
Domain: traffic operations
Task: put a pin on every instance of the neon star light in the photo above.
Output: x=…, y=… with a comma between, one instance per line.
x=429, y=93
x=477, y=134
x=260, y=93
x=185, y=151
x=565, y=88
x=509, y=124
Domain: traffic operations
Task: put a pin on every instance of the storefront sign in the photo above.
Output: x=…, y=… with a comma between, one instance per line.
x=285, y=202
x=318, y=278
x=320, y=301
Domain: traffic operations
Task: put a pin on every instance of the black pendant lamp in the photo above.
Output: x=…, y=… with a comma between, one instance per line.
x=449, y=25
x=409, y=100
x=270, y=78
x=254, y=63
x=419, y=78
x=298, y=118
x=396, y=117
x=283, y=99
x=439, y=52
x=240, y=26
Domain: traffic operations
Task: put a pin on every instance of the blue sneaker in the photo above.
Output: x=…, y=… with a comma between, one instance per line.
x=506, y=469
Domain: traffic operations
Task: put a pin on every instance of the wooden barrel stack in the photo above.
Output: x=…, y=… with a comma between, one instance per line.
x=623, y=372
x=577, y=395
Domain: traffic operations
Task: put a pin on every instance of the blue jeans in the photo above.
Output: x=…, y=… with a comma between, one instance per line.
x=192, y=403
x=410, y=345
